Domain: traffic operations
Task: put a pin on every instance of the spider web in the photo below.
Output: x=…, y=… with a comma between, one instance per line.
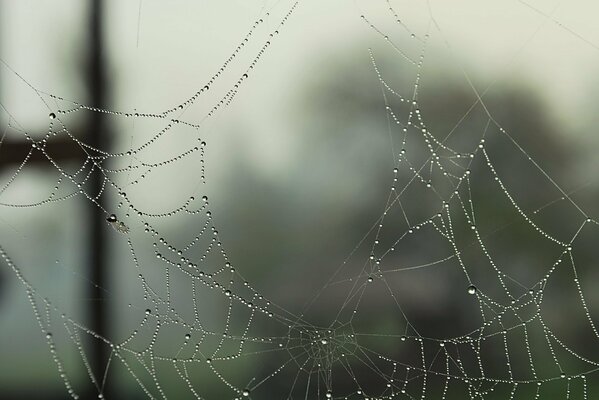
x=197, y=328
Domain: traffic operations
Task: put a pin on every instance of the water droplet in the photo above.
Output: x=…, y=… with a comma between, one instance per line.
x=323, y=341
x=471, y=289
x=228, y=293
x=187, y=336
x=245, y=393
x=148, y=311
x=52, y=115
x=329, y=394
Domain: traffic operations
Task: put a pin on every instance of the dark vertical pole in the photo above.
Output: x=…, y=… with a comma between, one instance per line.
x=97, y=136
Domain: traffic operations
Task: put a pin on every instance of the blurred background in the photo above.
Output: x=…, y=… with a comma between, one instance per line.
x=298, y=169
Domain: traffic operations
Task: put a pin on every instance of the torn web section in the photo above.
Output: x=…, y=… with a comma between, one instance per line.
x=360, y=293
x=508, y=309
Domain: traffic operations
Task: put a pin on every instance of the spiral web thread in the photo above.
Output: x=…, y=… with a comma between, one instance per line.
x=255, y=348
